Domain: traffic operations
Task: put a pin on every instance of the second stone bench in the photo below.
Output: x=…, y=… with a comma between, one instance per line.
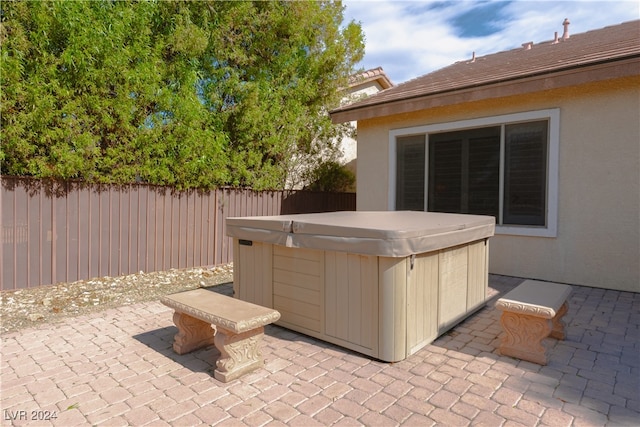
x=530, y=313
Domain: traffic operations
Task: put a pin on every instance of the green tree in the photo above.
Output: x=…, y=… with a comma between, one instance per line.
x=331, y=176
x=102, y=91
x=191, y=94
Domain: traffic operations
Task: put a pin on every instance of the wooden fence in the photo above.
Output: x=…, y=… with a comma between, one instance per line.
x=63, y=232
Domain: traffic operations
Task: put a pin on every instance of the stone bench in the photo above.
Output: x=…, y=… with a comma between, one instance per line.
x=239, y=328
x=530, y=313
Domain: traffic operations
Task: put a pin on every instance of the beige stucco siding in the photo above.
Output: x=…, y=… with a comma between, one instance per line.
x=598, y=234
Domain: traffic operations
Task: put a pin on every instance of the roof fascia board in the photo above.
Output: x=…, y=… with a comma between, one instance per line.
x=383, y=81
x=554, y=80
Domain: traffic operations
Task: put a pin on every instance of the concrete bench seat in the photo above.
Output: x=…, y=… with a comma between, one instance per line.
x=239, y=328
x=532, y=312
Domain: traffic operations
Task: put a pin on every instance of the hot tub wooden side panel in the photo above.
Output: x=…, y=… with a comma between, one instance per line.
x=453, y=283
x=252, y=275
x=462, y=283
x=478, y=274
x=298, y=288
x=422, y=301
x=351, y=299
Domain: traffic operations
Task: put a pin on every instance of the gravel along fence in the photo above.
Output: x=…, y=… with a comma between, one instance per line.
x=29, y=307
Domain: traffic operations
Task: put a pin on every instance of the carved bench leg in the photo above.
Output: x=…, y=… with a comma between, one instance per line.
x=523, y=336
x=239, y=353
x=558, y=324
x=192, y=333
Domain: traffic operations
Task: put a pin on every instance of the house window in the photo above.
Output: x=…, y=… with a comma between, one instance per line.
x=505, y=167
x=525, y=173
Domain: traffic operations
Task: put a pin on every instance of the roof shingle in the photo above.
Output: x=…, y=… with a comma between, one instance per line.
x=604, y=45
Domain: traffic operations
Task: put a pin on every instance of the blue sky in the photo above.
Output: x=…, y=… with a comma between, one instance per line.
x=412, y=38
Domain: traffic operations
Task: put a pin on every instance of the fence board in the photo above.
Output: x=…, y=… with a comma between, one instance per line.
x=59, y=232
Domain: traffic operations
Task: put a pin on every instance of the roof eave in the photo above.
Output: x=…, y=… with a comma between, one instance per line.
x=613, y=69
x=374, y=75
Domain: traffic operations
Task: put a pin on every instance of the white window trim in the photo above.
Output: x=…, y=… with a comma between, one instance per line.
x=553, y=115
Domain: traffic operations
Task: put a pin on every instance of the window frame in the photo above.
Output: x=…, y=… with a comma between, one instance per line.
x=552, y=115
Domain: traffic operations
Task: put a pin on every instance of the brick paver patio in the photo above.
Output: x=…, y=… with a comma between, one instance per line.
x=117, y=368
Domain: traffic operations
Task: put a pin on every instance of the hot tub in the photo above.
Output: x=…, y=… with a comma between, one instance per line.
x=384, y=284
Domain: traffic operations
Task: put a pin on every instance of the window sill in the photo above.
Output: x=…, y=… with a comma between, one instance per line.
x=532, y=231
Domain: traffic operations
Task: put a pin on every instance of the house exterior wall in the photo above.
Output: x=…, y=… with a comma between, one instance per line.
x=598, y=236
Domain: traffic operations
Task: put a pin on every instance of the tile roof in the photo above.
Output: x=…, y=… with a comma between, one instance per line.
x=604, y=45
x=371, y=75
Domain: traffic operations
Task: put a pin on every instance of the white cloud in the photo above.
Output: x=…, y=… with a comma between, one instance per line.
x=412, y=38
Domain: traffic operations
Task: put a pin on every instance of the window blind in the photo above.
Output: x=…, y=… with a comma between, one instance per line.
x=410, y=171
x=525, y=173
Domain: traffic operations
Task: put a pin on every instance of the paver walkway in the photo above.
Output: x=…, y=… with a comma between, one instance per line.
x=117, y=368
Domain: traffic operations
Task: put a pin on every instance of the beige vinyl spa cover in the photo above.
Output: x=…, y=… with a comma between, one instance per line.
x=381, y=233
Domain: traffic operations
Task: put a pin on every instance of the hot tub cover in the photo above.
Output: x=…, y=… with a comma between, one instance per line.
x=381, y=233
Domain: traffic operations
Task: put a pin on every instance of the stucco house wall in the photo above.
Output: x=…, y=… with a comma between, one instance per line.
x=597, y=239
